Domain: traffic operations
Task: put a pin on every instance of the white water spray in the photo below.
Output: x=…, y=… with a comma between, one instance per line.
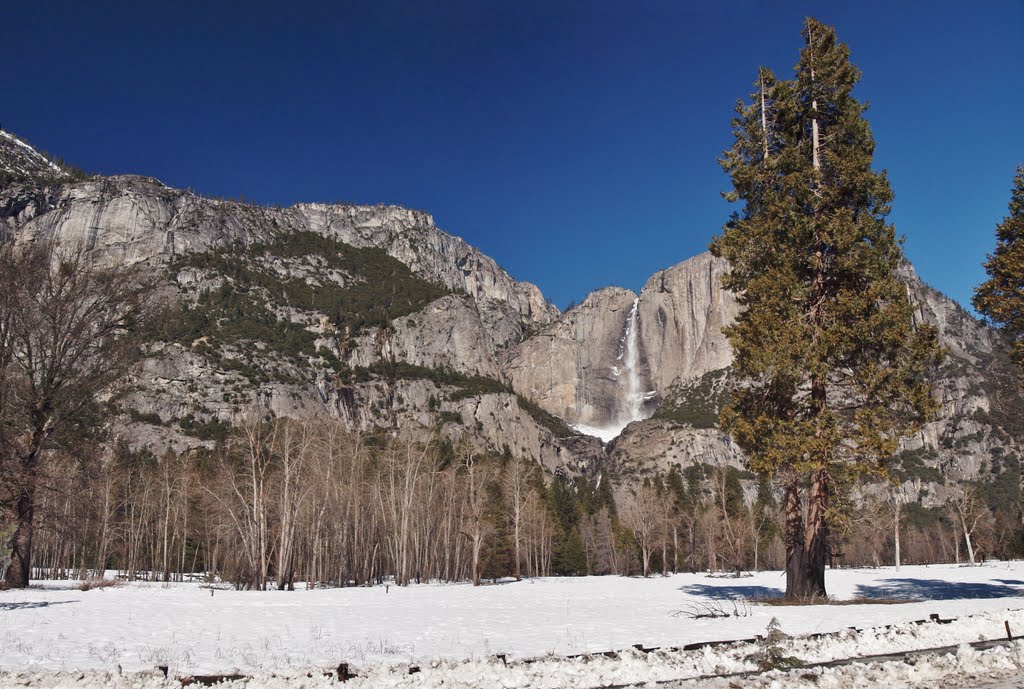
x=634, y=399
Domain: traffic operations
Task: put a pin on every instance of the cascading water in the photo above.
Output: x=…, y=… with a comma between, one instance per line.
x=631, y=397
x=633, y=401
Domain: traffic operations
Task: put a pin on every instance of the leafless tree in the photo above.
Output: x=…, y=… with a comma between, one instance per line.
x=517, y=488
x=969, y=512
x=639, y=512
x=475, y=525
x=69, y=332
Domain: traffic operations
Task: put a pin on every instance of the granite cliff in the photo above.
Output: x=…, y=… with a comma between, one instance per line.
x=378, y=316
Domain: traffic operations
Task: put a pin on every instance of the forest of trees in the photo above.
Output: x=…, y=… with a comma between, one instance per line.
x=307, y=500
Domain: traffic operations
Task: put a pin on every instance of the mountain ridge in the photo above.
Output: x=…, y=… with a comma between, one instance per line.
x=487, y=357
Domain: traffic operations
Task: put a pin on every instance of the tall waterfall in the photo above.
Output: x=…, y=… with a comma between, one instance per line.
x=631, y=395
x=633, y=401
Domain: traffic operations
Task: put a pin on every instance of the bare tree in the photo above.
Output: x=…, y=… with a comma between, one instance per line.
x=69, y=332
x=295, y=447
x=244, y=492
x=969, y=512
x=639, y=512
x=517, y=488
x=897, y=499
x=475, y=526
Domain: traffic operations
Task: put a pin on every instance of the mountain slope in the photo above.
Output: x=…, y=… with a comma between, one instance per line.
x=379, y=317
x=370, y=313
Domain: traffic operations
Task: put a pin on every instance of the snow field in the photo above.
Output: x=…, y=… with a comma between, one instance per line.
x=453, y=632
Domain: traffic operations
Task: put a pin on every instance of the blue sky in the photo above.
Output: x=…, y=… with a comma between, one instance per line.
x=575, y=142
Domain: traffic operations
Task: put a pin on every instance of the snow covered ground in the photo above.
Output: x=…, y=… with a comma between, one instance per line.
x=454, y=632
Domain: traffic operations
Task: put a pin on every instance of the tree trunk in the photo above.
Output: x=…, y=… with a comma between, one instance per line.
x=20, y=570
x=896, y=530
x=817, y=536
x=793, y=517
x=477, y=542
x=967, y=540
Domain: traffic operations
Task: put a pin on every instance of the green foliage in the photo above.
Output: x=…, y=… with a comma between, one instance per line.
x=765, y=506
x=697, y=403
x=918, y=516
x=912, y=465
x=771, y=653
x=211, y=429
x=1001, y=297
x=813, y=264
x=496, y=558
x=833, y=369
x=565, y=507
x=354, y=287
x=549, y=421
x=1002, y=492
x=231, y=315
x=735, y=505
x=378, y=288
x=570, y=555
x=151, y=418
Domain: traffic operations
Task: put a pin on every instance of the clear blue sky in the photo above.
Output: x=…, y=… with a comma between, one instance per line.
x=575, y=142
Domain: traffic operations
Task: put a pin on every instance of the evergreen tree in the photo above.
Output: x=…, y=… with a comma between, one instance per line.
x=570, y=553
x=831, y=367
x=1001, y=297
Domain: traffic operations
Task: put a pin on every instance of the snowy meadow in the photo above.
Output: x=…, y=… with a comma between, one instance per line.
x=197, y=629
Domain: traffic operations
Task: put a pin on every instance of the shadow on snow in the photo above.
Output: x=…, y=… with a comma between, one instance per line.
x=938, y=589
x=731, y=592
x=28, y=605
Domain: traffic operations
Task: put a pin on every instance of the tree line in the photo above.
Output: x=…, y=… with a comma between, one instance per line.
x=308, y=500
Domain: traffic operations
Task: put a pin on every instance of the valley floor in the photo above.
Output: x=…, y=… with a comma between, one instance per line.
x=453, y=633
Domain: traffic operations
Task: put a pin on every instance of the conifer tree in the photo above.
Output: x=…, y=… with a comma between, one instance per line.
x=1001, y=297
x=831, y=367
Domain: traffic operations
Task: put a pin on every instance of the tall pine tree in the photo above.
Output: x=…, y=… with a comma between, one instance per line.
x=831, y=367
x=1001, y=297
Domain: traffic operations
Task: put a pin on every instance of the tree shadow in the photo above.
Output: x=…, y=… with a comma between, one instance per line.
x=28, y=605
x=732, y=591
x=939, y=589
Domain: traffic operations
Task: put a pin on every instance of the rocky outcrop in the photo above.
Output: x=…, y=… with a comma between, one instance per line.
x=21, y=162
x=682, y=312
x=573, y=367
x=133, y=219
x=655, y=445
x=412, y=238
x=448, y=334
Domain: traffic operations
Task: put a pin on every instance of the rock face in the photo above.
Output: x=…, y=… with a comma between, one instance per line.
x=21, y=162
x=448, y=334
x=425, y=373
x=682, y=312
x=132, y=219
x=977, y=434
x=573, y=368
x=469, y=352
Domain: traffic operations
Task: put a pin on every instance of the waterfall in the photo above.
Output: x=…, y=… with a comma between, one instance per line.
x=633, y=402
x=630, y=395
